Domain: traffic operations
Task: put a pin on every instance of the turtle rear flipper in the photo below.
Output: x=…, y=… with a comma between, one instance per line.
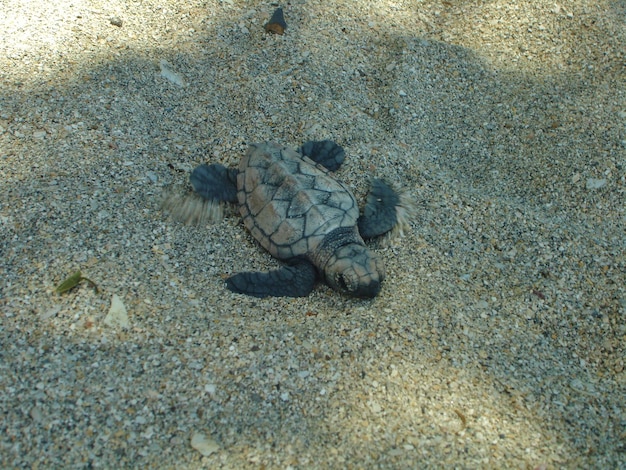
x=325, y=152
x=212, y=184
x=215, y=182
x=295, y=280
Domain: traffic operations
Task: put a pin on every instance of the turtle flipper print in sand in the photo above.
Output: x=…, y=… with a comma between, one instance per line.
x=299, y=212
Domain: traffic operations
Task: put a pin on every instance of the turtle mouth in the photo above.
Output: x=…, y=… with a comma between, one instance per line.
x=369, y=291
x=357, y=287
x=358, y=272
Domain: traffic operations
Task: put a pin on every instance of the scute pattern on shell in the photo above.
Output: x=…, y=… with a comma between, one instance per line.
x=288, y=202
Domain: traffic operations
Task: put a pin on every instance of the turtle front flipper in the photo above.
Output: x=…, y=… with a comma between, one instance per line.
x=294, y=280
x=385, y=210
x=325, y=152
x=215, y=182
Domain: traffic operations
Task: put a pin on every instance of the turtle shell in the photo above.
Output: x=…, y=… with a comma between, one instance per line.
x=288, y=202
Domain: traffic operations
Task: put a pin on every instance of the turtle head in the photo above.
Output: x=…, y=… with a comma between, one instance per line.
x=355, y=270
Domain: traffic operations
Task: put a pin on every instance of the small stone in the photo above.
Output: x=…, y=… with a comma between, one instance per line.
x=595, y=183
x=206, y=446
x=375, y=407
x=35, y=413
x=576, y=178
x=115, y=21
x=148, y=433
x=577, y=384
x=510, y=254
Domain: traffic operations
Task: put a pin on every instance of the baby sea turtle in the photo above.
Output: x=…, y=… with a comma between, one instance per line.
x=298, y=211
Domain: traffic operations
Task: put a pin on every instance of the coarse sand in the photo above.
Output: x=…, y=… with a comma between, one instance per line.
x=498, y=339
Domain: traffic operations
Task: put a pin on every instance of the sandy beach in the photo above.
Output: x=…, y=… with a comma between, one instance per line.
x=498, y=339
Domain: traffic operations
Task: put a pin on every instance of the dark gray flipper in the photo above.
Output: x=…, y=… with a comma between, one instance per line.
x=325, y=152
x=295, y=280
x=379, y=215
x=215, y=182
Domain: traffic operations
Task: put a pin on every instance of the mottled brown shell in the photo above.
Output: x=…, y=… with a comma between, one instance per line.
x=288, y=202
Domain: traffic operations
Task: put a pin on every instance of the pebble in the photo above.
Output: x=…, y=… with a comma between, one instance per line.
x=595, y=183
x=203, y=444
x=375, y=407
x=36, y=414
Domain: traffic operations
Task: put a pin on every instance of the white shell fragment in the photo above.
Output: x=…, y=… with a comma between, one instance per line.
x=51, y=312
x=203, y=444
x=117, y=316
x=168, y=73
